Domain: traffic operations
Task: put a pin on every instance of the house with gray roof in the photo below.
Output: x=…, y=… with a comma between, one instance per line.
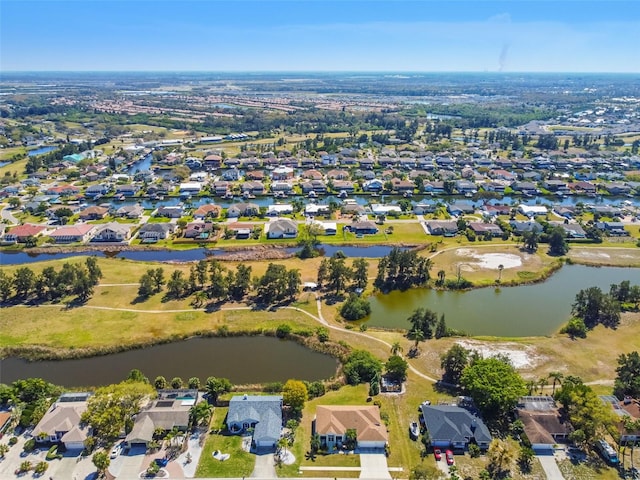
x=263, y=414
x=454, y=427
x=170, y=410
x=63, y=424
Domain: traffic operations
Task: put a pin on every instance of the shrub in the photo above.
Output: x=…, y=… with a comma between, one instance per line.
x=53, y=453
x=283, y=330
x=29, y=445
x=322, y=334
x=474, y=450
x=575, y=328
x=273, y=387
x=13, y=440
x=355, y=308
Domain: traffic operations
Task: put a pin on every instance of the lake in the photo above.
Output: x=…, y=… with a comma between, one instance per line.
x=240, y=359
x=538, y=309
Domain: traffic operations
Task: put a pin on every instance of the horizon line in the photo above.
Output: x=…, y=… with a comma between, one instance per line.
x=573, y=72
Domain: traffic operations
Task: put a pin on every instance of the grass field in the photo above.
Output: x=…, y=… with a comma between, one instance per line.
x=239, y=464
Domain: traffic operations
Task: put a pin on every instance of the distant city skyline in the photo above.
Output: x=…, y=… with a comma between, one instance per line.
x=316, y=35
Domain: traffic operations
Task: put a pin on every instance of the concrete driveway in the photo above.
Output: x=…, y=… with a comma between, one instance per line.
x=550, y=467
x=374, y=465
x=264, y=467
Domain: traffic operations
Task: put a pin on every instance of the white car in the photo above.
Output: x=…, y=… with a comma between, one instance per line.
x=115, y=451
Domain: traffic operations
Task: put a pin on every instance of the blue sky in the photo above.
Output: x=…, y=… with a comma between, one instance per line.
x=316, y=35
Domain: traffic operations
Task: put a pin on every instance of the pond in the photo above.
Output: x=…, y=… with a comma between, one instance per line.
x=40, y=151
x=526, y=310
x=242, y=360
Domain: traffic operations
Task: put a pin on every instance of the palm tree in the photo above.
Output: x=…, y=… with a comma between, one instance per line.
x=417, y=336
x=557, y=378
x=531, y=385
x=441, y=277
x=396, y=348
x=542, y=383
x=500, y=268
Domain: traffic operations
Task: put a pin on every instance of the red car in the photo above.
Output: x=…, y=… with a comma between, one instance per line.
x=437, y=453
x=449, y=456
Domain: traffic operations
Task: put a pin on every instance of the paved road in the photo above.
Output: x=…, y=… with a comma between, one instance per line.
x=6, y=214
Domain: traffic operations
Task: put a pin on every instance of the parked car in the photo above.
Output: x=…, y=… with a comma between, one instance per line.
x=115, y=451
x=449, y=456
x=161, y=462
x=437, y=453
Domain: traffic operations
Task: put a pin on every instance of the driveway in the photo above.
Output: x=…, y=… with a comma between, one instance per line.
x=265, y=467
x=550, y=467
x=128, y=466
x=374, y=465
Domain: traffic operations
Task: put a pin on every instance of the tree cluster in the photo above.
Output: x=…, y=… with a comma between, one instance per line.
x=335, y=276
x=51, y=284
x=627, y=381
x=595, y=307
x=402, y=269
x=361, y=367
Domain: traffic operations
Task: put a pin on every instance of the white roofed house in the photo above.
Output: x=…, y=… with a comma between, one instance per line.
x=278, y=209
x=63, y=424
x=112, y=232
x=281, y=228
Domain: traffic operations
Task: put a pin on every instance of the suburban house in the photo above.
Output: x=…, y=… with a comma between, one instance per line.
x=190, y=188
x=242, y=230
x=447, y=228
x=422, y=208
x=127, y=190
x=628, y=407
x=94, y=213
x=521, y=227
x=327, y=228
x=281, y=228
x=374, y=185
x=460, y=209
x=208, y=210
x=212, y=162
x=543, y=425
x=571, y=230
x=155, y=231
x=312, y=209
x=72, y=233
x=170, y=410
x=5, y=421
x=614, y=229
x=243, y=210
x=481, y=229
x=199, y=230
x=62, y=423
x=532, y=210
x=278, y=209
x=450, y=426
x=173, y=211
x=95, y=190
x=130, y=211
x=332, y=422
x=20, y=233
x=263, y=414
x=362, y=228
x=111, y=232
x=62, y=190
x=252, y=188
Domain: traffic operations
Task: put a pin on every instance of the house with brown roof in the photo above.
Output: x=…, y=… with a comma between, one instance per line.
x=543, y=424
x=628, y=408
x=332, y=423
x=63, y=422
x=208, y=210
x=94, y=213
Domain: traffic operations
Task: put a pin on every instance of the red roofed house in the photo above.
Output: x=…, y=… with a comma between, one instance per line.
x=62, y=190
x=72, y=233
x=20, y=233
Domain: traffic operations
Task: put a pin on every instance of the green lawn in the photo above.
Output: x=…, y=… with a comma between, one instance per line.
x=240, y=464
